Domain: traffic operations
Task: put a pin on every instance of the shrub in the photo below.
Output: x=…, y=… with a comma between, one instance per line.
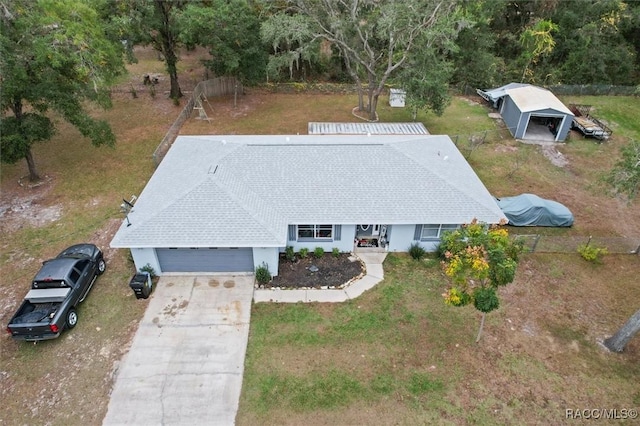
x=416, y=251
x=290, y=254
x=516, y=248
x=318, y=252
x=304, y=252
x=335, y=252
x=450, y=242
x=591, y=253
x=485, y=299
x=263, y=276
x=148, y=268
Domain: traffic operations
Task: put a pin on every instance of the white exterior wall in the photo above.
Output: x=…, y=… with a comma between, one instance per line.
x=348, y=238
x=429, y=246
x=142, y=256
x=345, y=245
x=401, y=238
x=268, y=255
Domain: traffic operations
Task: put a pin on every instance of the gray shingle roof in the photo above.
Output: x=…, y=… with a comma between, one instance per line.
x=243, y=191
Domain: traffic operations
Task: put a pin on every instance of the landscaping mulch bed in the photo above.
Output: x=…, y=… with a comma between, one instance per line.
x=332, y=271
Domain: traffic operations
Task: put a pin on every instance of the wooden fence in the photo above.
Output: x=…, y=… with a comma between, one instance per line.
x=220, y=86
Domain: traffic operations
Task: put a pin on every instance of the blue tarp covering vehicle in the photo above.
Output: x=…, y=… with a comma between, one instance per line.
x=531, y=210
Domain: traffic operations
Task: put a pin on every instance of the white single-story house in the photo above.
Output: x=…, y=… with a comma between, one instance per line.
x=530, y=112
x=232, y=203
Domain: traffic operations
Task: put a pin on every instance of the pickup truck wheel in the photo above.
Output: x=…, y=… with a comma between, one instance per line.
x=102, y=266
x=72, y=318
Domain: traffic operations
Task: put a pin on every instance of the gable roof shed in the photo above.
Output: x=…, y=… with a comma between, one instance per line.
x=531, y=112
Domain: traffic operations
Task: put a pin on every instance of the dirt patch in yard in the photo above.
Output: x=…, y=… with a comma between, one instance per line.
x=555, y=156
x=27, y=204
x=328, y=271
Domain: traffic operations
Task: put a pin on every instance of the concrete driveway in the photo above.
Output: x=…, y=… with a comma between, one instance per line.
x=186, y=361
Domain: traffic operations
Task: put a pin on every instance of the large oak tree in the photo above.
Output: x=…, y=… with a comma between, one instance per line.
x=155, y=23
x=374, y=38
x=230, y=30
x=54, y=56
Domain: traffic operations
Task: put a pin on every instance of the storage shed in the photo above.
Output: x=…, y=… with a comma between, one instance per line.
x=531, y=112
x=397, y=97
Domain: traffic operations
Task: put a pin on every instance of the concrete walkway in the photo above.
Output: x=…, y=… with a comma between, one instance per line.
x=186, y=361
x=374, y=274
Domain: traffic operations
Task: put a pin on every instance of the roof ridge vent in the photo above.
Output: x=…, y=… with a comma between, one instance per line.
x=315, y=144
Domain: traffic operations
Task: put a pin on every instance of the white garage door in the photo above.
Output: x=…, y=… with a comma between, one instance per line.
x=205, y=259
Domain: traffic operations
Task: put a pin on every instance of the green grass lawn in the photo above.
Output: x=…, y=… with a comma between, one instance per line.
x=399, y=355
x=619, y=112
x=316, y=358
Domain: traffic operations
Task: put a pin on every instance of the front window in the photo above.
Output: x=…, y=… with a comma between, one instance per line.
x=315, y=232
x=432, y=231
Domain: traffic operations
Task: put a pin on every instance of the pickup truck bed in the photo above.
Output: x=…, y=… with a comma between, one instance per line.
x=35, y=313
x=61, y=284
x=32, y=322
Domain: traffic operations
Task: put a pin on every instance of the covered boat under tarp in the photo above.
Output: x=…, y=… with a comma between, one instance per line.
x=531, y=210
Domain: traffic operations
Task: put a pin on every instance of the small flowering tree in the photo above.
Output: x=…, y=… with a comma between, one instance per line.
x=478, y=259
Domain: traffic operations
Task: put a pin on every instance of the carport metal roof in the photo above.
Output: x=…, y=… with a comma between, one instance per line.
x=328, y=128
x=493, y=95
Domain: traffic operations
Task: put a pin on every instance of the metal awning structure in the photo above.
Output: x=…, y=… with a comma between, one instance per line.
x=328, y=128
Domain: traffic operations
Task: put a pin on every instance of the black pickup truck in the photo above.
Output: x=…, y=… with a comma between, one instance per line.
x=56, y=290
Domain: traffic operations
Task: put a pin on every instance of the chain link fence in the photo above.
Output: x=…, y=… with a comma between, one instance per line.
x=594, y=90
x=536, y=243
x=570, y=90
